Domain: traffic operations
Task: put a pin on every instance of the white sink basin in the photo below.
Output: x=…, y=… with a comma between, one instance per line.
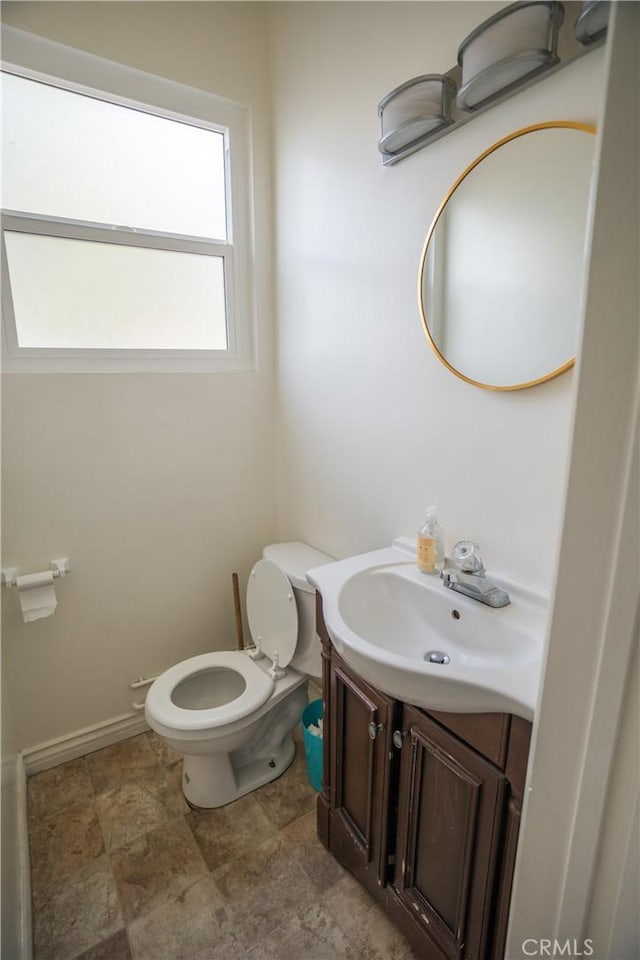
x=385, y=618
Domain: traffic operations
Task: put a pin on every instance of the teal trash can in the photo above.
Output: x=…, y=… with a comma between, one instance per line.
x=313, y=745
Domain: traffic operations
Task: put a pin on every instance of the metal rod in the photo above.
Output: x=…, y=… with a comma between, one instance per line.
x=142, y=682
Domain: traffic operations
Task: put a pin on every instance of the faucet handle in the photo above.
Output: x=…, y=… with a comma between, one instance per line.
x=466, y=557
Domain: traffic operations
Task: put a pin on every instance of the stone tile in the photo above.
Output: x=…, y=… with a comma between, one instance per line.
x=114, y=948
x=131, y=809
x=289, y=797
x=60, y=844
x=57, y=789
x=227, y=832
x=156, y=868
x=367, y=927
x=76, y=912
x=173, y=779
x=320, y=866
x=262, y=888
x=309, y=933
x=165, y=754
x=193, y=926
x=119, y=763
x=274, y=894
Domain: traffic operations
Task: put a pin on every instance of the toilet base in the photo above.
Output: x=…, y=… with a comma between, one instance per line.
x=214, y=779
x=210, y=781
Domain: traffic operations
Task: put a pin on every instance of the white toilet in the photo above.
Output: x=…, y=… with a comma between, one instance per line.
x=232, y=713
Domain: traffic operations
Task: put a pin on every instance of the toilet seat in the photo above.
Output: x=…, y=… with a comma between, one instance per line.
x=258, y=689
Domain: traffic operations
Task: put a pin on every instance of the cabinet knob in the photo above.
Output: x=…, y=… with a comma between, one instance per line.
x=399, y=737
x=374, y=729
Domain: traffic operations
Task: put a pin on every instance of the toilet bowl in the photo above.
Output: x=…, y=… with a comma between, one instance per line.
x=232, y=713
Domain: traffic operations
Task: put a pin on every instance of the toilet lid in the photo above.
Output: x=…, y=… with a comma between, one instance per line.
x=272, y=611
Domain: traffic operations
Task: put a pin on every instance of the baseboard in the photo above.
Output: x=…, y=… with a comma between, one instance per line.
x=72, y=745
x=24, y=866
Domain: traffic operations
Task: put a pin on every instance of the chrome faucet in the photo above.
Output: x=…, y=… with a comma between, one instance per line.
x=468, y=576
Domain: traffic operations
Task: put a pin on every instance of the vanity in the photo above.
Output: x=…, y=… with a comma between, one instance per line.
x=422, y=804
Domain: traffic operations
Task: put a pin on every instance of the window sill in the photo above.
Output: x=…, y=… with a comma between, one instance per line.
x=126, y=361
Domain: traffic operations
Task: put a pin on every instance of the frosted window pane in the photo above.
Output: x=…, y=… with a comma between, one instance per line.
x=84, y=294
x=69, y=155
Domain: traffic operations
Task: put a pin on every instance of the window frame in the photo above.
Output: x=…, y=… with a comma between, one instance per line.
x=52, y=63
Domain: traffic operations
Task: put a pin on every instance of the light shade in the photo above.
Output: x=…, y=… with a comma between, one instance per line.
x=414, y=111
x=592, y=21
x=507, y=49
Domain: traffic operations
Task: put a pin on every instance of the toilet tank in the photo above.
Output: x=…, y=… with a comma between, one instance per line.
x=294, y=559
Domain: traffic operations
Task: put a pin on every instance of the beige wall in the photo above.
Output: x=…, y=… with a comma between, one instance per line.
x=372, y=428
x=156, y=486
x=612, y=917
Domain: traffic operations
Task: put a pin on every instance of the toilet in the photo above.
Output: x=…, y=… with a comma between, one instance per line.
x=232, y=712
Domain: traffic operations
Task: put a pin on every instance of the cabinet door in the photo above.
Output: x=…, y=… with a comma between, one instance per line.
x=361, y=726
x=505, y=878
x=449, y=814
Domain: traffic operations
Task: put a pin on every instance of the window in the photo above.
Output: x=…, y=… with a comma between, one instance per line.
x=125, y=224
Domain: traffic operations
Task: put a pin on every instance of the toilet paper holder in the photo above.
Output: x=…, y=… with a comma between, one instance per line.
x=59, y=567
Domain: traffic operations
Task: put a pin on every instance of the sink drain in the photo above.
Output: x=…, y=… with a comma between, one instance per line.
x=436, y=656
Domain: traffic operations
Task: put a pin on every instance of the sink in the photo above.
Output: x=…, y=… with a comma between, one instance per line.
x=410, y=637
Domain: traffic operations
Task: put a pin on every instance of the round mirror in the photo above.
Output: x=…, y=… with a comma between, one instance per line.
x=502, y=266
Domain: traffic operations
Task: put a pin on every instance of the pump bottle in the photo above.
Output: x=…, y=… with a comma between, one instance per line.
x=430, y=544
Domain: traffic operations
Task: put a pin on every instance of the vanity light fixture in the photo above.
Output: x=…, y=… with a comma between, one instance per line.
x=508, y=52
x=592, y=21
x=414, y=112
x=510, y=47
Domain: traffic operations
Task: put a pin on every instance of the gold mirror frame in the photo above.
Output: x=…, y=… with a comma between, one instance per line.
x=551, y=124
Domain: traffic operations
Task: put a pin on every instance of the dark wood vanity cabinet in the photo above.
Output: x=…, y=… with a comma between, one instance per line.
x=361, y=724
x=424, y=809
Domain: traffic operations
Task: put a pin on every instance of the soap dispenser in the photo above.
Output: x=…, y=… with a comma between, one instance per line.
x=430, y=552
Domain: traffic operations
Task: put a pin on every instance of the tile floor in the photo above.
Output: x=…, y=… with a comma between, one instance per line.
x=122, y=869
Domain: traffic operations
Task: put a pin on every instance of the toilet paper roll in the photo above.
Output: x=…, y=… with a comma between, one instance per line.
x=37, y=595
